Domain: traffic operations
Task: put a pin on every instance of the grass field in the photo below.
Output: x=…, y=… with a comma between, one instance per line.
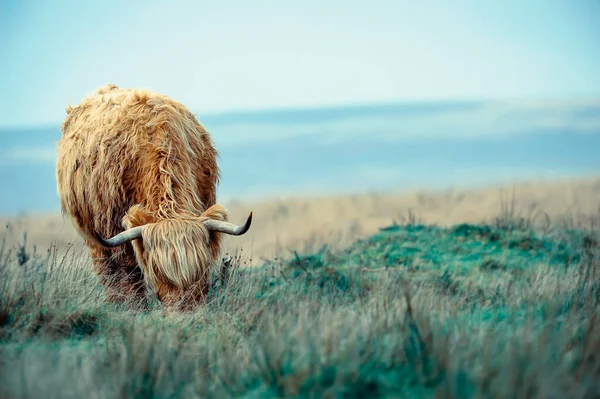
x=455, y=304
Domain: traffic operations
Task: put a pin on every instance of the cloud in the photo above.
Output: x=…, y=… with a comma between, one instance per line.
x=492, y=120
x=487, y=121
x=28, y=155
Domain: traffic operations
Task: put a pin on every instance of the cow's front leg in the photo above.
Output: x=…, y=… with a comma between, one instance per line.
x=122, y=279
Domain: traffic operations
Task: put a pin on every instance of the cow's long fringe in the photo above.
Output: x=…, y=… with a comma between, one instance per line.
x=177, y=253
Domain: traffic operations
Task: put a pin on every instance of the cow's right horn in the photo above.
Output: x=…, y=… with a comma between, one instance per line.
x=122, y=238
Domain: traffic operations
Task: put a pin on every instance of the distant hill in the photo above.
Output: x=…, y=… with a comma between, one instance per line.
x=354, y=148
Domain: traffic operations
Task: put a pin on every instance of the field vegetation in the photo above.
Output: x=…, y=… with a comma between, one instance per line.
x=499, y=309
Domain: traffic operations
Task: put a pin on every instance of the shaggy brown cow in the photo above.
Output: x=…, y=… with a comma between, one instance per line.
x=138, y=161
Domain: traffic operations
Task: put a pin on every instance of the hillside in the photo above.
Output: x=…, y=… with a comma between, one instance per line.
x=414, y=310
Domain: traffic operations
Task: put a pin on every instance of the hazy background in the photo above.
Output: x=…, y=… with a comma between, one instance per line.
x=317, y=97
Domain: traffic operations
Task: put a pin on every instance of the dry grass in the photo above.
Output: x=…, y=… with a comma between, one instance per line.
x=282, y=225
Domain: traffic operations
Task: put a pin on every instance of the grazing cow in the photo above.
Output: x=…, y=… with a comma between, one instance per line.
x=138, y=167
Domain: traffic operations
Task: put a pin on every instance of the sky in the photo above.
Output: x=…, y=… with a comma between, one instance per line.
x=218, y=56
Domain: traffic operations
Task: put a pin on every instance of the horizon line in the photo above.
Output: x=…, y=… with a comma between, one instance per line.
x=353, y=104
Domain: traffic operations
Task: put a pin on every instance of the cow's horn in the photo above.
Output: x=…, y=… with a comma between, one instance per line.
x=122, y=238
x=228, y=228
x=211, y=224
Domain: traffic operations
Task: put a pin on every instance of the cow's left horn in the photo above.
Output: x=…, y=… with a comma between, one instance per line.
x=122, y=238
x=228, y=228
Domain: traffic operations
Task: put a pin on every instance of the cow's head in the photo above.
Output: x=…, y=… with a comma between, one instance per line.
x=175, y=254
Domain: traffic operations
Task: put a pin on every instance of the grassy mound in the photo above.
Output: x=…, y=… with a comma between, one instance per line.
x=413, y=311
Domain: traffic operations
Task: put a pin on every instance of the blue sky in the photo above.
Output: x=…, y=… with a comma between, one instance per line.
x=224, y=55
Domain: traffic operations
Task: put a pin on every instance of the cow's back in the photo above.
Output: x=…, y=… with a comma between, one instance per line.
x=122, y=147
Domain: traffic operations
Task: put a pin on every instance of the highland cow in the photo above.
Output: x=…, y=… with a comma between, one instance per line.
x=138, y=167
